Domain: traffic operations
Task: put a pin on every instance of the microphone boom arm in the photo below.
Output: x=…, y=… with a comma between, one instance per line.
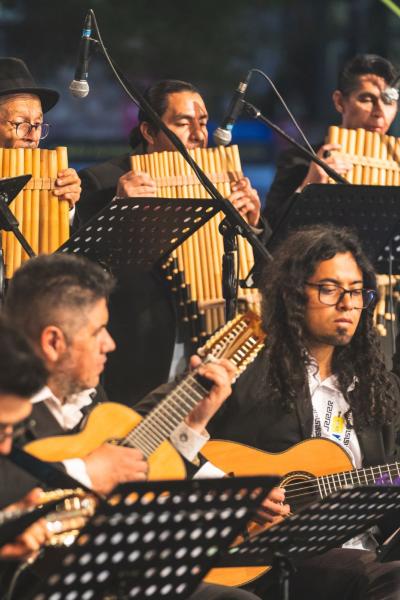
x=255, y=113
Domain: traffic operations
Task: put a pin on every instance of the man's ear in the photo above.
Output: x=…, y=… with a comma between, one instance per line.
x=147, y=132
x=52, y=343
x=337, y=98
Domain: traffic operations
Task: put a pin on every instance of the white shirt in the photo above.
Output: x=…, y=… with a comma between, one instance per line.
x=68, y=414
x=329, y=409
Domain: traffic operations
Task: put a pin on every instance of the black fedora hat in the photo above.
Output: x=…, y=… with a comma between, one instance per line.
x=15, y=78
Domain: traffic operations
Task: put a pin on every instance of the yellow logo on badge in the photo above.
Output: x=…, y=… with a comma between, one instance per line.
x=338, y=424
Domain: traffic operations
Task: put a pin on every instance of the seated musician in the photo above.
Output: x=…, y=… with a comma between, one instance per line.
x=22, y=374
x=22, y=104
x=360, y=102
x=322, y=374
x=60, y=302
x=142, y=314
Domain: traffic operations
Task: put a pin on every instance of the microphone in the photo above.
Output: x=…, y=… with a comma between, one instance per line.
x=223, y=135
x=79, y=87
x=391, y=93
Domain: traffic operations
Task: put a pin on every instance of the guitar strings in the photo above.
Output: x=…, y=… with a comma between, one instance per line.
x=326, y=482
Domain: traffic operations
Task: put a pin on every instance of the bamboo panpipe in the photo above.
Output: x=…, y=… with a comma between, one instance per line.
x=42, y=217
x=200, y=257
x=375, y=156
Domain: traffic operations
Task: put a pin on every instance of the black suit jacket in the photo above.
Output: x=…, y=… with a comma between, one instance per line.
x=16, y=482
x=142, y=312
x=247, y=417
x=291, y=170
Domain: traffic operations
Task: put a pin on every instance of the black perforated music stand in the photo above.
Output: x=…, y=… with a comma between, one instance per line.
x=139, y=231
x=156, y=540
x=317, y=528
x=371, y=210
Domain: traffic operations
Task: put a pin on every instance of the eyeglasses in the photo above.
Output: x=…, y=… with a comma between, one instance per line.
x=17, y=429
x=24, y=128
x=332, y=294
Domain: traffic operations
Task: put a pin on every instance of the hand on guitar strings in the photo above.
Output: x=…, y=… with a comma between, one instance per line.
x=273, y=509
x=221, y=373
x=109, y=465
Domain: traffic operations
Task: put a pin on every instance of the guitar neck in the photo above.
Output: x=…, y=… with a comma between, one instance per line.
x=240, y=340
x=377, y=475
x=162, y=421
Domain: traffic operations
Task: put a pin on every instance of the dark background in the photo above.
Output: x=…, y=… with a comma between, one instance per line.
x=300, y=44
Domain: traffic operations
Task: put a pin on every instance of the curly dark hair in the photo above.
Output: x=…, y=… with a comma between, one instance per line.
x=284, y=302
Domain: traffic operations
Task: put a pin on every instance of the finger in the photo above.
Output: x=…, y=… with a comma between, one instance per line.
x=277, y=494
x=195, y=361
x=67, y=189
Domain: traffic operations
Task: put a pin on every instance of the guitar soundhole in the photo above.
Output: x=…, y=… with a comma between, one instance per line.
x=300, y=489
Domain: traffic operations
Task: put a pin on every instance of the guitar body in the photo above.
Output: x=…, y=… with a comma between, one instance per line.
x=306, y=460
x=108, y=422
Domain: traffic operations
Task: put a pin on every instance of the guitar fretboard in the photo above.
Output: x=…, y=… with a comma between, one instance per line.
x=166, y=416
x=327, y=484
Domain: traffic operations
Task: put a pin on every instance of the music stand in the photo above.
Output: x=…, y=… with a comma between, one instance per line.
x=9, y=188
x=316, y=529
x=155, y=539
x=372, y=210
x=139, y=231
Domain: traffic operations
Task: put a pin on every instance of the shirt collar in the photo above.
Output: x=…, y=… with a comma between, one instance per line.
x=331, y=382
x=79, y=400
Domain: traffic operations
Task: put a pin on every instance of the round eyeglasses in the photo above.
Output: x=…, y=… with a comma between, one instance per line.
x=330, y=294
x=24, y=128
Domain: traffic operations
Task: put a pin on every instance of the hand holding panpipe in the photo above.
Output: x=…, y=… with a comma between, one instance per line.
x=43, y=218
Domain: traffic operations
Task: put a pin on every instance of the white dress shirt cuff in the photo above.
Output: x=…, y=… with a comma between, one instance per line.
x=77, y=469
x=187, y=441
x=71, y=215
x=209, y=471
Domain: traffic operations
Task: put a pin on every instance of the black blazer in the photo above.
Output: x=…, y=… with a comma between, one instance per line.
x=247, y=418
x=291, y=169
x=142, y=311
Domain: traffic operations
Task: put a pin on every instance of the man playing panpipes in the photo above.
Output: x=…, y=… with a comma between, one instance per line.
x=22, y=104
x=361, y=103
x=142, y=314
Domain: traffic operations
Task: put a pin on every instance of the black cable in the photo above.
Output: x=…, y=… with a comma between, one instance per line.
x=295, y=123
x=138, y=98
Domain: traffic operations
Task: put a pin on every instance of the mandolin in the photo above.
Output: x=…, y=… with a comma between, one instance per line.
x=309, y=471
x=240, y=340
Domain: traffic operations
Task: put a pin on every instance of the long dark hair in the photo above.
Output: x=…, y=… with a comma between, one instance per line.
x=284, y=302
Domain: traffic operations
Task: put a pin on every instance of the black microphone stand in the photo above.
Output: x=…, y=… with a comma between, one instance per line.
x=236, y=224
x=255, y=113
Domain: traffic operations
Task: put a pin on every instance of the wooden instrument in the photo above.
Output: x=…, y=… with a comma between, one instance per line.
x=376, y=161
x=42, y=217
x=240, y=341
x=70, y=513
x=375, y=156
x=196, y=266
x=309, y=471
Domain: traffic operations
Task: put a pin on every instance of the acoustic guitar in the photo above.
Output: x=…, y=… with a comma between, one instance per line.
x=309, y=471
x=240, y=340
